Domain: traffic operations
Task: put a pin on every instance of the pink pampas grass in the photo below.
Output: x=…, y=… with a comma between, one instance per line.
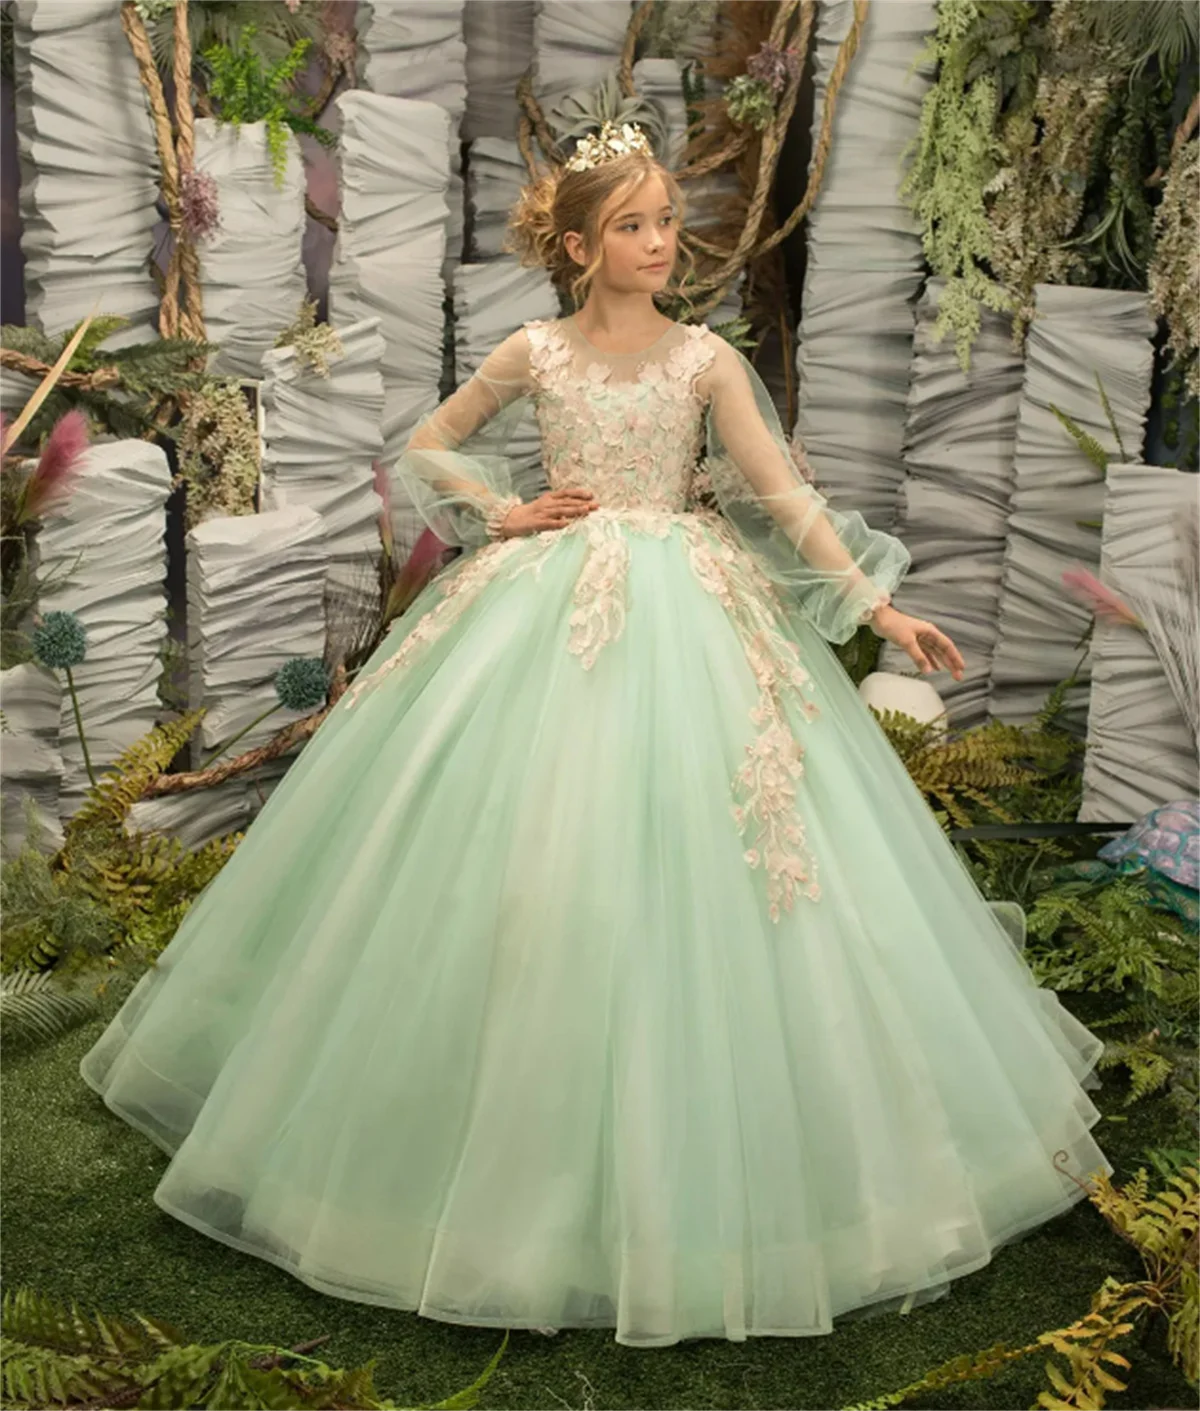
x=54, y=477
x=1101, y=600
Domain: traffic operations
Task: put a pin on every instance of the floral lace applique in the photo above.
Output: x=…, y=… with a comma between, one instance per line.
x=764, y=789
x=460, y=590
x=632, y=443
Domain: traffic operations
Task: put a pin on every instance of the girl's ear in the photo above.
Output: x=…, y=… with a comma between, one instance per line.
x=573, y=244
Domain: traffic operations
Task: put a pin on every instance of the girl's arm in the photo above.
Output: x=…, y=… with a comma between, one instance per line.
x=454, y=465
x=841, y=571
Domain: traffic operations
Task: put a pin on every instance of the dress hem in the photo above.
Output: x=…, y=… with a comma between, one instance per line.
x=941, y=1285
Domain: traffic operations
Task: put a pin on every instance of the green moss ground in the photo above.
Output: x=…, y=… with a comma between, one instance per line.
x=78, y=1221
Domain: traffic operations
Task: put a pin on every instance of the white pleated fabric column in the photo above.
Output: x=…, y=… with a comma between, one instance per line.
x=499, y=40
x=576, y=44
x=1141, y=753
x=959, y=444
x=321, y=435
x=88, y=168
x=251, y=271
x=865, y=262
x=1058, y=494
x=256, y=598
x=388, y=261
x=103, y=555
x=31, y=765
x=418, y=51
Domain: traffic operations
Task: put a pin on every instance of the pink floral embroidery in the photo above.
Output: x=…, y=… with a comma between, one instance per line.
x=460, y=589
x=633, y=444
x=765, y=787
x=636, y=446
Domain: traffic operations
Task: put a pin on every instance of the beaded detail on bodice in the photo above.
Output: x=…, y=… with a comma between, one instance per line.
x=628, y=427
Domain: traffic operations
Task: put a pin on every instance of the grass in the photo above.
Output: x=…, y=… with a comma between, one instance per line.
x=79, y=1222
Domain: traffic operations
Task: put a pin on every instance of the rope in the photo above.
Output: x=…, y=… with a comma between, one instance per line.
x=135, y=32
x=191, y=321
x=94, y=381
x=633, y=32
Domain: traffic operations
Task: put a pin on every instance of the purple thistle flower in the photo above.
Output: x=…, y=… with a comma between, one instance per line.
x=774, y=66
x=199, y=204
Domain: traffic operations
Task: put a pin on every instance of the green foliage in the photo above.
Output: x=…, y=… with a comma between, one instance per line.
x=1034, y=149
x=219, y=447
x=110, y=899
x=34, y=1006
x=316, y=344
x=859, y=654
x=1165, y=33
x=987, y=54
x=674, y=27
x=1174, y=275
x=52, y=1354
x=247, y=89
x=1162, y=1226
x=584, y=110
x=134, y=770
x=1106, y=935
x=953, y=768
x=144, y=374
x=220, y=22
x=750, y=102
x=1181, y=419
x=1086, y=442
x=1115, y=244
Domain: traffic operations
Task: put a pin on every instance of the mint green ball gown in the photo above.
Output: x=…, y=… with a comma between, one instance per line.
x=598, y=964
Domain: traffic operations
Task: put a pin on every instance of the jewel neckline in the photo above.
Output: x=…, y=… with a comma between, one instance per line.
x=605, y=353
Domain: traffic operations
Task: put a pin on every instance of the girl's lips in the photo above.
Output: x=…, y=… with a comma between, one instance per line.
x=662, y=264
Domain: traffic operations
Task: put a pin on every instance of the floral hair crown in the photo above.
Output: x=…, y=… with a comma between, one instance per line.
x=612, y=142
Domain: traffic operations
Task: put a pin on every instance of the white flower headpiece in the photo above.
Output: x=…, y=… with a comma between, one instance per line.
x=611, y=142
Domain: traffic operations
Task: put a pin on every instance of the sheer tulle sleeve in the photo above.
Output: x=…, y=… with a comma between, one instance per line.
x=836, y=568
x=454, y=467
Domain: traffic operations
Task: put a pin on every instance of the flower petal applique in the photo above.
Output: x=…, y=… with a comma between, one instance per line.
x=631, y=442
x=461, y=588
x=764, y=788
x=636, y=445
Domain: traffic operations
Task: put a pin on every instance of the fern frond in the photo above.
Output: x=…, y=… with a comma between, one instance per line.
x=1086, y=442
x=132, y=772
x=1112, y=420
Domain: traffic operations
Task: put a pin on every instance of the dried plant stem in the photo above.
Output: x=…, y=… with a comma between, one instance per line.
x=286, y=739
x=87, y=758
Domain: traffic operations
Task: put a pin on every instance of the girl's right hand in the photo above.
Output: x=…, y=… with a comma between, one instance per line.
x=553, y=510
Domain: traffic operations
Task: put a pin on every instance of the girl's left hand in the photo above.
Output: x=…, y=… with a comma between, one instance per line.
x=928, y=645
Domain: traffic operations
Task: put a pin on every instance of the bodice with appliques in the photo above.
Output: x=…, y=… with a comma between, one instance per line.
x=627, y=426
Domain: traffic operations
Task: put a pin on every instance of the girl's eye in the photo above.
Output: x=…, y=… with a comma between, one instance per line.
x=632, y=224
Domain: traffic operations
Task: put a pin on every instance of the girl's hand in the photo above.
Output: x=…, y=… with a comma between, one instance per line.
x=553, y=510
x=928, y=645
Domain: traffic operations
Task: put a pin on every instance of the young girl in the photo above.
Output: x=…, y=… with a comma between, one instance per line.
x=598, y=963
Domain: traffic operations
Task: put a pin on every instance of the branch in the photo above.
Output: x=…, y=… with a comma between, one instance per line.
x=278, y=744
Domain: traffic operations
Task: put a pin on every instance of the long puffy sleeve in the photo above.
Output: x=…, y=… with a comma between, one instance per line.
x=836, y=568
x=454, y=467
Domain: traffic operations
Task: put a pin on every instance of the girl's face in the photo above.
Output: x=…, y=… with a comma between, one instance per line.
x=637, y=234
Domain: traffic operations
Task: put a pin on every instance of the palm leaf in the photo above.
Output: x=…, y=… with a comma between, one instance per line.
x=1165, y=30
x=34, y=1006
x=1170, y=610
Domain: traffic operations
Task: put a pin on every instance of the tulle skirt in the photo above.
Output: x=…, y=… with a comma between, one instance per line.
x=498, y=1014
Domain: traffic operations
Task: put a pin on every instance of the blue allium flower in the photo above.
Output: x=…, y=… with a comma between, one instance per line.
x=60, y=641
x=301, y=683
